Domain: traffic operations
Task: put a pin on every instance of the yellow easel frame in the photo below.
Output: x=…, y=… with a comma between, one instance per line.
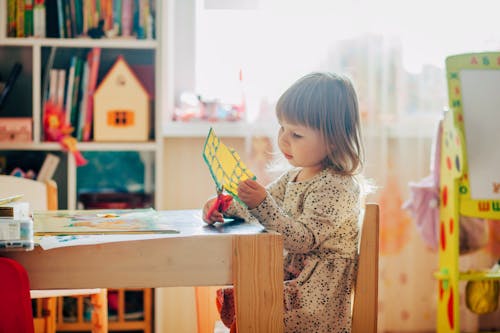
x=454, y=192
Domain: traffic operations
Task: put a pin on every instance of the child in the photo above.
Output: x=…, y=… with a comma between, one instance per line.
x=315, y=205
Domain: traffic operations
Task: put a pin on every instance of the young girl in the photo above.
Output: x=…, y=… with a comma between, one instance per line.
x=315, y=205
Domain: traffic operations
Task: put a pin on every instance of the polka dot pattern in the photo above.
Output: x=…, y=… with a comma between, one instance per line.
x=318, y=219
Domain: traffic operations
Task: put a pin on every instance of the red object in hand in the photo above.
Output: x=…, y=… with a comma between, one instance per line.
x=221, y=204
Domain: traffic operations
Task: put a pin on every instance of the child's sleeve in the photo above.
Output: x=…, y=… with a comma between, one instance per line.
x=328, y=218
x=276, y=190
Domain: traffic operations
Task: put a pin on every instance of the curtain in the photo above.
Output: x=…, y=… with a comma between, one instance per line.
x=395, y=52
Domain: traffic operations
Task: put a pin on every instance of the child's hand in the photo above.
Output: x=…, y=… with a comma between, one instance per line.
x=216, y=216
x=251, y=193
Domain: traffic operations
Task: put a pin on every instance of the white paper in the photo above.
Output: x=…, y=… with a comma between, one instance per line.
x=481, y=109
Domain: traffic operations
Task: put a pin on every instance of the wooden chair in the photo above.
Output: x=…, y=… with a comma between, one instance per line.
x=15, y=306
x=43, y=196
x=365, y=301
x=365, y=304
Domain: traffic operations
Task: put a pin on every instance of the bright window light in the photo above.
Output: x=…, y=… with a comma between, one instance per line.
x=393, y=50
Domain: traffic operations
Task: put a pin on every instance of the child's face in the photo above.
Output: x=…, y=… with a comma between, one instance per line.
x=302, y=146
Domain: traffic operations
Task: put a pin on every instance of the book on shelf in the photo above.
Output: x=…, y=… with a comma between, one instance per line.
x=74, y=18
x=28, y=18
x=93, y=61
x=76, y=96
x=39, y=19
x=48, y=168
x=68, y=32
x=19, y=18
x=11, y=18
x=60, y=19
x=83, y=101
x=15, y=210
x=73, y=92
x=117, y=20
x=60, y=88
x=69, y=88
x=3, y=18
x=127, y=17
x=52, y=87
x=78, y=17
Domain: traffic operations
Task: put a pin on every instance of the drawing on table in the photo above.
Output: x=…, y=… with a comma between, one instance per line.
x=71, y=222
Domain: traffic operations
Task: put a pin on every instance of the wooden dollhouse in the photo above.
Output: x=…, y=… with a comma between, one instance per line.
x=469, y=183
x=121, y=106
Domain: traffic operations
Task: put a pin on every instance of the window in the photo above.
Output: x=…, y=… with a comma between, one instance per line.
x=393, y=50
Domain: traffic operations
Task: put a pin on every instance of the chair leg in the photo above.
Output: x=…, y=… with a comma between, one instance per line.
x=100, y=312
x=49, y=313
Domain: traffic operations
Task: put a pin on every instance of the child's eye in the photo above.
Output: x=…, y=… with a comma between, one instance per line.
x=296, y=135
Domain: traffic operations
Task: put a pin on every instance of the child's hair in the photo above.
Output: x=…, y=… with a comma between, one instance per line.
x=328, y=103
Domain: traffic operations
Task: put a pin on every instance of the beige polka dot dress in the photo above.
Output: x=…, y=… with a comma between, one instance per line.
x=318, y=219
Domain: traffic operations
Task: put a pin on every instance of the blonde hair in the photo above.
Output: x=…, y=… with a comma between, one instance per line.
x=328, y=103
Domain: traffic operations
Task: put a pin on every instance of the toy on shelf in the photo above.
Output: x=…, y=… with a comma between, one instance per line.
x=121, y=106
x=470, y=181
x=56, y=129
x=16, y=129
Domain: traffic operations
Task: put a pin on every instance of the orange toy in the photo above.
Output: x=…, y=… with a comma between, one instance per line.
x=57, y=130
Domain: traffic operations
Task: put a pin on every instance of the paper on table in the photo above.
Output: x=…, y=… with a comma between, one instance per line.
x=52, y=242
x=96, y=222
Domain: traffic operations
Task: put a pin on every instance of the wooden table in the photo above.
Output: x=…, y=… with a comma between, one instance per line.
x=236, y=253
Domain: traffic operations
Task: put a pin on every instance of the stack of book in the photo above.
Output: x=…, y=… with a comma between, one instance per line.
x=16, y=224
x=79, y=18
x=72, y=93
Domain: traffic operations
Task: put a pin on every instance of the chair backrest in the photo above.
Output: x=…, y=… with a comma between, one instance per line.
x=40, y=195
x=365, y=304
x=15, y=307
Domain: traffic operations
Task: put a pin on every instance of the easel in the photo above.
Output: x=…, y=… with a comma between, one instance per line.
x=455, y=180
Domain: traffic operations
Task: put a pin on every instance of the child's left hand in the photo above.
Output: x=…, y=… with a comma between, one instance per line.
x=251, y=193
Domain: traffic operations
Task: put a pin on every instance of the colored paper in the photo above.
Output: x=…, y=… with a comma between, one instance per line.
x=225, y=165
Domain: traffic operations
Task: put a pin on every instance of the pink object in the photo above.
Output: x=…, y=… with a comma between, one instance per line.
x=423, y=204
x=15, y=307
x=15, y=130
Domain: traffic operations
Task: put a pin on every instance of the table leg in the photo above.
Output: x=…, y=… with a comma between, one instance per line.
x=258, y=283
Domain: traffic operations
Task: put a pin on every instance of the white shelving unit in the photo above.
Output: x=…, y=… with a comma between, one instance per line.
x=26, y=101
x=32, y=53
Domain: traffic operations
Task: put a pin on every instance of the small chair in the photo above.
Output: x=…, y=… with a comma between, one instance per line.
x=15, y=307
x=365, y=303
x=365, y=300
x=42, y=196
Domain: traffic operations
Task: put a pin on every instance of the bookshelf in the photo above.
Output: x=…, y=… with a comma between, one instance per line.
x=27, y=96
x=33, y=54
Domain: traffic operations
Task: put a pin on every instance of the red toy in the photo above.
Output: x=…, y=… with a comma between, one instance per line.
x=56, y=129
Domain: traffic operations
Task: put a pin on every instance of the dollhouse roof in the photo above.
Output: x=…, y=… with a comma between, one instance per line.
x=121, y=64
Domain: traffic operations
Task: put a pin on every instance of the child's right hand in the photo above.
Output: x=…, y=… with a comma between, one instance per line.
x=216, y=216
